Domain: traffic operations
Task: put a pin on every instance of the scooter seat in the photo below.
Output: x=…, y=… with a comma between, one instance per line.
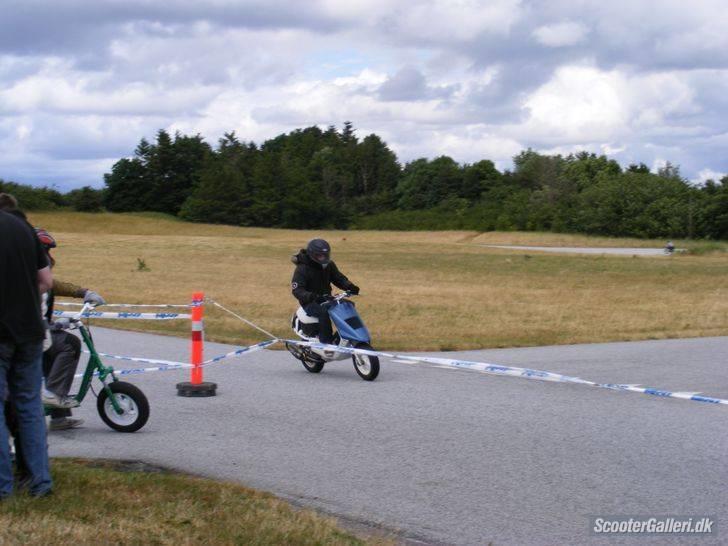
x=304, y=325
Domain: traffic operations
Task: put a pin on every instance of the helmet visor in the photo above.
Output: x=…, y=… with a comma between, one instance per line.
x=322, y=258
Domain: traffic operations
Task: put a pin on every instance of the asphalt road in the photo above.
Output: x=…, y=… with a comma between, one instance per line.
x=445, y=456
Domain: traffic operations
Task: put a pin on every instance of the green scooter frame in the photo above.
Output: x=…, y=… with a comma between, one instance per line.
x=121, y=405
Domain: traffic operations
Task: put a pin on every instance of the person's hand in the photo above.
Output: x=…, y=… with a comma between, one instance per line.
x=94, y=298
x=62, y=323
x=354, y=289
x=323, y=298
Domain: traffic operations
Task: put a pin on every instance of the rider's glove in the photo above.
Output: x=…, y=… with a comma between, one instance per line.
x=94, y=298
x=354, y=289
x=62, y=323
x=323, y=298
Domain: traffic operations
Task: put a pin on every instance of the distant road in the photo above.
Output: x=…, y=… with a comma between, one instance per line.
x=445, y=456
x=588, y=250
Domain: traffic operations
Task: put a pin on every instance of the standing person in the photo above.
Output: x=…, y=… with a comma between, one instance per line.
x=311, y=283
x=24, y=274
x=60, y=360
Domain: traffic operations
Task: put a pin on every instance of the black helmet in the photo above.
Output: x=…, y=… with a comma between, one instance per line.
x=319, y=251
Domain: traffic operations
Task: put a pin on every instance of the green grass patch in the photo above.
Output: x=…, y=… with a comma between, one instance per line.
x=114, y=503
x=708, y=247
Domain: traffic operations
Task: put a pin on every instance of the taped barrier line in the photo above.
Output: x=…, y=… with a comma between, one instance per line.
x=512, y=371
x=127, y=305
x=483, y=367
x=168, y=365
x=250, y=349
x=123, y=315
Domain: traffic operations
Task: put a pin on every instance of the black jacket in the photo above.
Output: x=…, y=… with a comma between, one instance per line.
x=310, y=280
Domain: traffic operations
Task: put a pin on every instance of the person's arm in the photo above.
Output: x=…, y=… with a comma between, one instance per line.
x=298, y=287
x=70, y=290
x=45, y=279
x=42, y=264
x=340, y=280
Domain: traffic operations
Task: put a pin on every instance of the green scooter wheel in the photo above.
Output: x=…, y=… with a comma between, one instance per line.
x=133, y=403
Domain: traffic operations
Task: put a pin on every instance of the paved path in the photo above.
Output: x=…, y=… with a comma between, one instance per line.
x=445, y=456
x=588, y=250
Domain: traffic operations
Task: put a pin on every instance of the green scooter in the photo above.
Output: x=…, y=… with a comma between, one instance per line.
x=121, y=405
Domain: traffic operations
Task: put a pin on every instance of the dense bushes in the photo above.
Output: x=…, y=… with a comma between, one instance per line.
x=314, y=178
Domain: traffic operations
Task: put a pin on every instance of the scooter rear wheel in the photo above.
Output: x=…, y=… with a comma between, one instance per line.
x=313, y=367
x=304, y=355
x=365, y=365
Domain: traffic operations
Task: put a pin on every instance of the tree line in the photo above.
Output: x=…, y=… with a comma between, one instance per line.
x=315, y=178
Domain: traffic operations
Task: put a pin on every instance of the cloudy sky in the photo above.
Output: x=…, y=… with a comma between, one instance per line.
x=81, y=81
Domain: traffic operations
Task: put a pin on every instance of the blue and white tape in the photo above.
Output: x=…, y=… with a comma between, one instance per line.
x=526, y=373
x=243, y=350
x=127, y=305
x=123, y=315
x=168, y=365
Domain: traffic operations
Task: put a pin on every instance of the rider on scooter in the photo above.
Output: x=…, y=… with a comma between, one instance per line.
x=311, y=283
x=61, y=358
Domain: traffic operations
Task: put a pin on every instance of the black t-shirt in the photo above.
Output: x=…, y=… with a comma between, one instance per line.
x=21, y=256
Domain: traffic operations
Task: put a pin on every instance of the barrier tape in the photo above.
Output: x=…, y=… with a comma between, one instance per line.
x=168, y=365
x=512, y=371
x=161, y=305
x=250, y=349
x=124, y=315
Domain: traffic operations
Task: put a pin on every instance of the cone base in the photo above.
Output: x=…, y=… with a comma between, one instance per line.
x=205, y=388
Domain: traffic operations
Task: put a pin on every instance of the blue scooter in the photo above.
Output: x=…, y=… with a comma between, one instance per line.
x=350, y=333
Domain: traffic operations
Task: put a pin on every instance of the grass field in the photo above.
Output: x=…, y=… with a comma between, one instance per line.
x=95, y=502
x=420, y=290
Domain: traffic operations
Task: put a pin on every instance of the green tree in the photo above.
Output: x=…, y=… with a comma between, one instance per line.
x=636, y=205
x=425, y=183
x=126, y=186
x=86, y=199
x=224, y=193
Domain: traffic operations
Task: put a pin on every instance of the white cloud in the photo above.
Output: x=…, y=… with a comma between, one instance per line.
x=580, y=103
x=567, y=33
x=585, y=104
x=468, y=78
x=708, y=174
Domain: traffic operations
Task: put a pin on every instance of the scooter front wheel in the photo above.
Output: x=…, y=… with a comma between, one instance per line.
x=366, y=366
x=134, y=407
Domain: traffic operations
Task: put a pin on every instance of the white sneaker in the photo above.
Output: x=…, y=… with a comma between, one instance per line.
x=61, y=402
x=64, y=423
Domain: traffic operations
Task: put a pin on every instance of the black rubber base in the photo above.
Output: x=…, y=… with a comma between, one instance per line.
x=203, y=389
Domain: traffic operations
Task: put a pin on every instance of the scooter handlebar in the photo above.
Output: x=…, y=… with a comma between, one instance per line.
x=86, y=307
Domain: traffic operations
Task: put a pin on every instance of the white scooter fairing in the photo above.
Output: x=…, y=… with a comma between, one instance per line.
x=306, y=327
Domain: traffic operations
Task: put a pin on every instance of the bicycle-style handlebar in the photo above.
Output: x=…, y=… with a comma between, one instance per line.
x=343, y=295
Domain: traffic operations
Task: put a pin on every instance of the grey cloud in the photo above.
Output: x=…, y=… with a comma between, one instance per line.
x=43, y=28
x=409, y=84
x=645, y=36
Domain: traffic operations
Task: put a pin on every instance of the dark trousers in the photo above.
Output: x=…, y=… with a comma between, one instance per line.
x=59, y=366
x=326, y=333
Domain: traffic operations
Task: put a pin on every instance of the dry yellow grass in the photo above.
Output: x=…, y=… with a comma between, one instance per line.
x=96, y=503
x=420, y=290
x=566, y=239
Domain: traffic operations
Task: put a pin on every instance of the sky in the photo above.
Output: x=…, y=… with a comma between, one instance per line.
x=82, y=81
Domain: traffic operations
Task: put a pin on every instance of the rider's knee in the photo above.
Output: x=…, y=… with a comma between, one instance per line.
x=74, y=343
